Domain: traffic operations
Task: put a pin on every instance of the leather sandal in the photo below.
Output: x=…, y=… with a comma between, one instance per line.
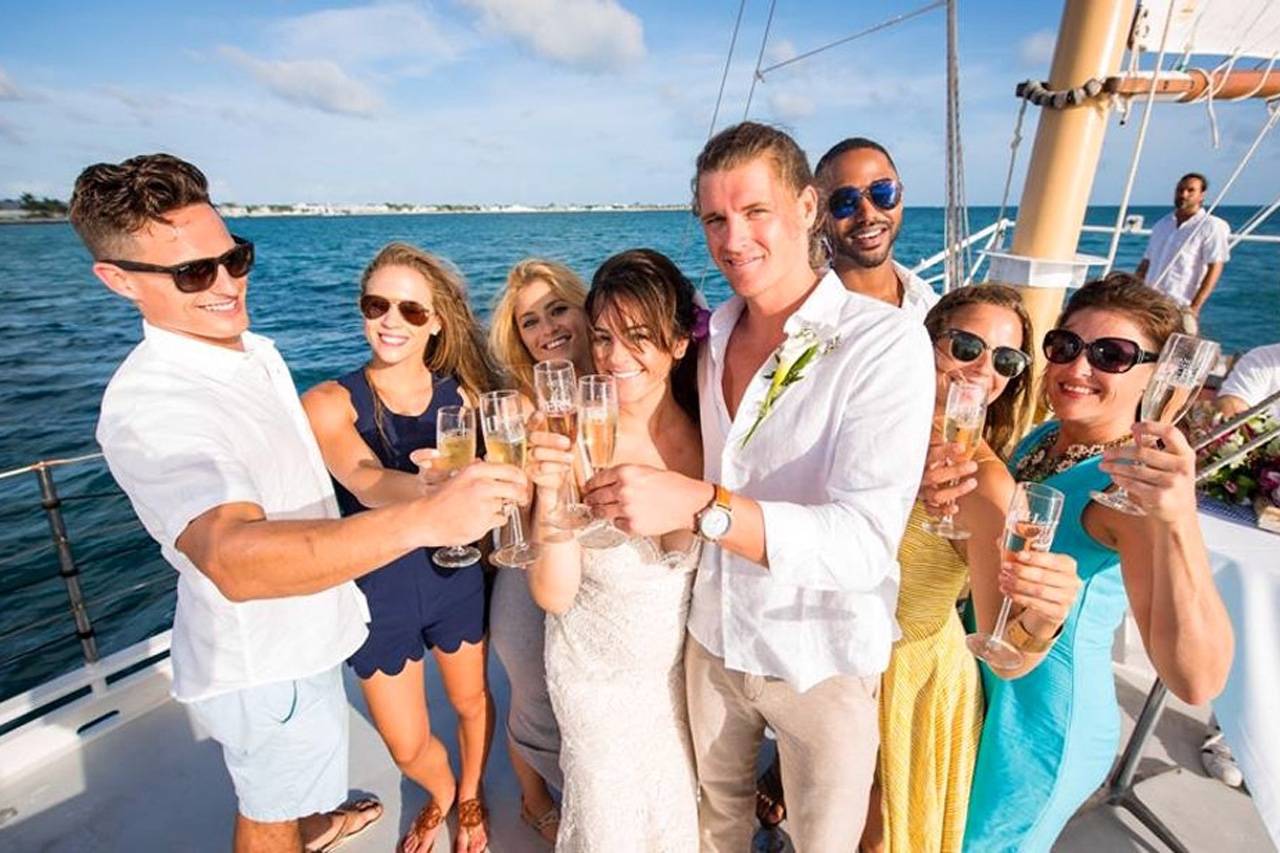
x=771, y=807
x=547, y=825
x=347, y=828
x=471, y=827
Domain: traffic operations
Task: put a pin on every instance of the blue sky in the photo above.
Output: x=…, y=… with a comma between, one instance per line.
x=534, y=101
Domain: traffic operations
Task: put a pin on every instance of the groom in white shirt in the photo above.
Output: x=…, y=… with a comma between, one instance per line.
x=815, y=412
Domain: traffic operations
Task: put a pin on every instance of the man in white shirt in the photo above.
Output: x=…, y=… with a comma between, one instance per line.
x=815, y=414
x=1254, y=378
x=863, y=196
x=202, y=427
x=1187, y=249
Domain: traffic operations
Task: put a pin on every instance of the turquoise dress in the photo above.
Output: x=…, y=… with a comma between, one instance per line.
x=1050, y=737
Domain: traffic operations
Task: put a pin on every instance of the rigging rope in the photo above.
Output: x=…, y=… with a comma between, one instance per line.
x=956, y=264
x=756, y=77
x=724, y=77
x=1138, y=145
x=1008, y=177
x=897, y=19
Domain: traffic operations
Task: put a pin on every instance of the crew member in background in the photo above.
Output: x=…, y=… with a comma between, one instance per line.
x=1187, y=249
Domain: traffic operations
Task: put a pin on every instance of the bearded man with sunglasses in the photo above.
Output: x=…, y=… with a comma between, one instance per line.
x=202, y=428
x=863, y=197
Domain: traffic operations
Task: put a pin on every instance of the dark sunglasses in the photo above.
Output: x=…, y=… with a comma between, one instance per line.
x=373, y=307
x=1110, y=355
x=885, y=194
x=966, y=347
x=195, y=276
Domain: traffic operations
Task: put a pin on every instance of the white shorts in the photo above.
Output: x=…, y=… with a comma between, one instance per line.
x=284, y=743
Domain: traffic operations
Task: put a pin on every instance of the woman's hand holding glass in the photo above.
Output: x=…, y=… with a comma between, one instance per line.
x=1157, y=472
x=1043, y=584
x=552, y=456
x=945, y=479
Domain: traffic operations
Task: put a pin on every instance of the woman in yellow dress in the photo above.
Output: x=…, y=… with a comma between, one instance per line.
x=931, y=695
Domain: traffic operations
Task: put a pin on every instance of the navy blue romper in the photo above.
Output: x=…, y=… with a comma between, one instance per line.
x=414, y=604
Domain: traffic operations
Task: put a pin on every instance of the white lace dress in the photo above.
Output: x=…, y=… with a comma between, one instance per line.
x=616, y=677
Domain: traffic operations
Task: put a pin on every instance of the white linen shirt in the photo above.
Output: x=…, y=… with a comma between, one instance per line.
x=1255, y=377
x=187, y=426
x=835, y=468
x=1205, y=240
x=917, y=296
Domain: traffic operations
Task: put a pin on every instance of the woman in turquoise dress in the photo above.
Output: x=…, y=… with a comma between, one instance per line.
x=1050, y=737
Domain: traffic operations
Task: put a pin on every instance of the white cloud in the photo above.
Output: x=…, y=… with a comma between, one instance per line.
x=781, y=51
x=789, y=106
x=367, y=33
x=1037, y=48
x=598, y=35
x=317, y=83
x=8, y=91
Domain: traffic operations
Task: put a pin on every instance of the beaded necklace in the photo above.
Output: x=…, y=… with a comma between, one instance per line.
x=1041, y=463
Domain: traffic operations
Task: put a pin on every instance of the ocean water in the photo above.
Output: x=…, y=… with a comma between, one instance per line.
x=63, y=335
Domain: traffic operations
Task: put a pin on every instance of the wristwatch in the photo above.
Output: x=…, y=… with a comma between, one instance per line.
x=714, y=521
x=1023, y=640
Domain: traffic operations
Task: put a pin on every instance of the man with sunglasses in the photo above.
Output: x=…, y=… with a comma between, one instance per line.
x=863, y=195
x=202, y=428
x=1188, y=248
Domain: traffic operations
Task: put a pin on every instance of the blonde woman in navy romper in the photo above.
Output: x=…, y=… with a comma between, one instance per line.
x=426, y=352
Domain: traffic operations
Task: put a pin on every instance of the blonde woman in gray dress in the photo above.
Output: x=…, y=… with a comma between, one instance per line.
x=538, y=317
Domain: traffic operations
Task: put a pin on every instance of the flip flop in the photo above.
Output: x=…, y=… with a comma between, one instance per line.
x=541, y=824
x=345, y=833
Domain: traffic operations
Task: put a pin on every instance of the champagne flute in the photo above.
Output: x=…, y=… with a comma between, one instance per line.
x=965, y=414
x=456, y=440
x=1184, y=364
x=598, y=427
x=557, y=390
x=1029, y=525
x=504, y=443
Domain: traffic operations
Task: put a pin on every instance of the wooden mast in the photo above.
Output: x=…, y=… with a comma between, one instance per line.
x=1091, y=42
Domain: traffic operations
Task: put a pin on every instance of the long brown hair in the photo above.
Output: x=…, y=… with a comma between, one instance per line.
x=1010, y=413
x=649, y=290
x=458, y=349
x=504, y=337
x=1124, y=293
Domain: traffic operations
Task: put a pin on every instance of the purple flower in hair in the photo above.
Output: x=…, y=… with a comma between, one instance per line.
x=701, y=324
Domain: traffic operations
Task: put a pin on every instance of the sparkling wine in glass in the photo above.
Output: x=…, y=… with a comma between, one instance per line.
x=456, y=441
x=1029, y=525
x=557, y=389
x=505, y=443
x=1185, y=362
x=598, y=436
x=963, y=419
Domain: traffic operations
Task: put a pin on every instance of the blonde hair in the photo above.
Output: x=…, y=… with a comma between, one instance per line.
x=504, y=335
x=458, y=349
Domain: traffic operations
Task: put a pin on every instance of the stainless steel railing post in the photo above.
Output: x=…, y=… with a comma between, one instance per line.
x=67, y=568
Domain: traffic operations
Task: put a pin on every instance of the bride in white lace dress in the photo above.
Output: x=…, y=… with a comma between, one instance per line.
x=616, y=631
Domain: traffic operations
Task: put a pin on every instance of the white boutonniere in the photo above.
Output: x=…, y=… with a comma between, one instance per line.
x=790, y=360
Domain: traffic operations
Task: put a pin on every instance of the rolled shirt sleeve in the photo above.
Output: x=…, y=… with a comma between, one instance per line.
x=850, y=543
x=1216, y=247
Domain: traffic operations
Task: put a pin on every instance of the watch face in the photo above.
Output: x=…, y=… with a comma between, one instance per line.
x=714, y=523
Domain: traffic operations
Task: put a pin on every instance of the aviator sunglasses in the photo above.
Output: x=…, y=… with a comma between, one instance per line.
x=195, y=276
x=966, y=347
x=414, y=313
x=885, y=194
x=1110, y=355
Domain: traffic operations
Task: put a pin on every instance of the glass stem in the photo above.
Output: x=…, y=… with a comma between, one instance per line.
x=517, y=529
x=997, y=633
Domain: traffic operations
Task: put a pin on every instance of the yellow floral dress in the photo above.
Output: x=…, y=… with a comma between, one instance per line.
x=930, y=702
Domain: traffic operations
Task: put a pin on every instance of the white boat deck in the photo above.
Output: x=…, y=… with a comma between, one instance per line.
x=155, y=784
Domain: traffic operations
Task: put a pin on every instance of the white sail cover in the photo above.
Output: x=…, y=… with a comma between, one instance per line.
x=1210, y=27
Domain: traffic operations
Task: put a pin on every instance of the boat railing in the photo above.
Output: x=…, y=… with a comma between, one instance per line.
x=26, y=643
x=995, y=233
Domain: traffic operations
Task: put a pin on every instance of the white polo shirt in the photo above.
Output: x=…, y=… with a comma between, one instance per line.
x=187, y=426
x=917, y=296
x=1177, y=256
x=1255, y=377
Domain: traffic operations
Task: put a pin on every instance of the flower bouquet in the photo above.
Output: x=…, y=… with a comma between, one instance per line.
x=1254, y=479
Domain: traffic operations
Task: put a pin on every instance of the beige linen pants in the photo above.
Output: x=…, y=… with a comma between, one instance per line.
x=827, y=737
